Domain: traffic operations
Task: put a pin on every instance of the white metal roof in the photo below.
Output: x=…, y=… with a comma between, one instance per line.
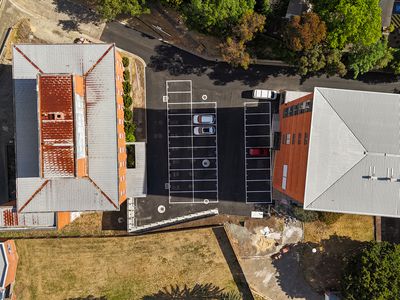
x=100, y=190
x=354, y=134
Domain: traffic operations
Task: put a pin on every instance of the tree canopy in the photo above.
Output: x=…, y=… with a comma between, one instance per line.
x=363, y=59
x=216, y=16
x=373, y=274
x=355, y=22
x=233, y=50
x=109, y=9
x=304, y=32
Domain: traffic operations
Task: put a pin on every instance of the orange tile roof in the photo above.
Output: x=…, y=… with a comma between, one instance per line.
x=56, y=125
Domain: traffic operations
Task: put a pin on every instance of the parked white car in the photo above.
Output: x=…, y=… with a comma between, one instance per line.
x=204, y=130
x=203, y=119
x=265, y=94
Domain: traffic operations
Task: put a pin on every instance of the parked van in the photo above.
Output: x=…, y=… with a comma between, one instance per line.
x=265, y=94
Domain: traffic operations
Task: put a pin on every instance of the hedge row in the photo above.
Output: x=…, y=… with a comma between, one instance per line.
x=129, y=126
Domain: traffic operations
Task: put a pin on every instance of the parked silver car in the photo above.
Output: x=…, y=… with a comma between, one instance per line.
x=204, y=130
x=203, y=119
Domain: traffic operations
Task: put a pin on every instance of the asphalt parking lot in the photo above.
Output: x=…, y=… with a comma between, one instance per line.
x=257, y=131
x=192, y=159
x=189, y=173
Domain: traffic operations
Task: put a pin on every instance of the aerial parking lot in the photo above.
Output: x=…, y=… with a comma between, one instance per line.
x=206, y=149
x=192, y=152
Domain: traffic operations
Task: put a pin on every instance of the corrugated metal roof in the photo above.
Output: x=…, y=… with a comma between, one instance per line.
x=9, y=218
x=69, y=194
x=354, y=135
x=136, y=178
x=99, y=191
x=101, y=115
x=56, y=125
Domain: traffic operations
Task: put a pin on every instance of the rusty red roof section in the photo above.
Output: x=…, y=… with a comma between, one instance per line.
x=56, y=125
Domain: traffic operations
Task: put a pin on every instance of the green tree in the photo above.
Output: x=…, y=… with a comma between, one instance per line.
x=354, y=22
x=312, y=61
x=304, y=32
x=373, y=274
x=216, y=16
x=395, y=63
x=363, y=59
x=334, y=64
x=110, y=9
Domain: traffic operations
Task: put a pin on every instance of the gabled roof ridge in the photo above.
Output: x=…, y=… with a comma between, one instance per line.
x=352, y=132
x=99, y=60
x=28, y=59
x=48, y=180
x=104, y=194
x=328, y=188
x=34, y=195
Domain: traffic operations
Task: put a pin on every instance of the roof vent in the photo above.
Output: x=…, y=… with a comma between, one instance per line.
x=371, y=173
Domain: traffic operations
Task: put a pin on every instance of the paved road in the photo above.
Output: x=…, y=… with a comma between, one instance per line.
x=167, y=61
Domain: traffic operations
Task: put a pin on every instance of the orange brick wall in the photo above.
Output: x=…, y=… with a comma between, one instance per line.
x=293, y=155
x=119, y=69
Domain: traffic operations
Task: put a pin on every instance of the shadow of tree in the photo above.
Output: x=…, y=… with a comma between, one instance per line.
x=69, y=25
x=77, y=12
x=179, y=62
x=200, y=291
x=322, y=270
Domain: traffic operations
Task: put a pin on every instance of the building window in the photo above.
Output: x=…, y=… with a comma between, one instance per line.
x=295, y=109
x=287, y=139
x=293, y=138
x=299, y=138
x=283, y=139
x=284, y=177
x=305, y=138
x=290, y=111
x=285, y=112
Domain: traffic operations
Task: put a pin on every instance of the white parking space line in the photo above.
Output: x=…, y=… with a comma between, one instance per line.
x=180, y=103
x=208, y=169
x=197, y=147
x=261, y=135
x=261, y=124
x=251, y=117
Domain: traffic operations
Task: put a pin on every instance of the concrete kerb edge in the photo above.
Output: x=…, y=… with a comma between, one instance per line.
x=5, y=41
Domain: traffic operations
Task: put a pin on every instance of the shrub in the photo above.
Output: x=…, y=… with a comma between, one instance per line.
x=127, y=101
x=304, y=215
x=125, y=61
x=126, y=75
x=127, y=87
x=130, y=156
x=328, y=218
x=127, y=114
x=130, y=131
